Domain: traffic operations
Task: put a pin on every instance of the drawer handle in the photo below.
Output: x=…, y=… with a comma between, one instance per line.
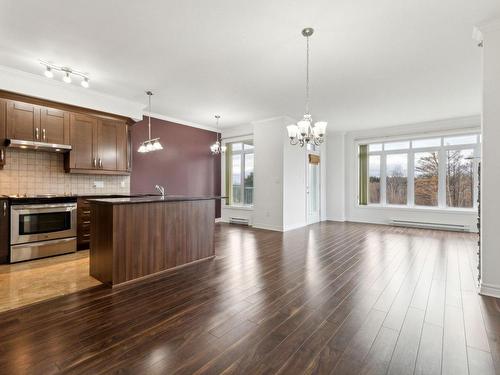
x=86, y=212
x=86, y=235
x=86, y=222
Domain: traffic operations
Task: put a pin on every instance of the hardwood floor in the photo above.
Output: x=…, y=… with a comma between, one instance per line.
x=332, y=298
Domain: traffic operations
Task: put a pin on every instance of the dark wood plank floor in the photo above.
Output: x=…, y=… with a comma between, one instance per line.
x=332, y=298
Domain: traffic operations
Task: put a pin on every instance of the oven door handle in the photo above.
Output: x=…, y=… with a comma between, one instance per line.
x=34, y=209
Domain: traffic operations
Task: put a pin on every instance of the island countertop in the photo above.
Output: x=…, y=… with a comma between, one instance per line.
x=151, y=199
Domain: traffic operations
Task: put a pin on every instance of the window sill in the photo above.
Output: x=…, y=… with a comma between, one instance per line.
x=472, y=211
x=236, y=207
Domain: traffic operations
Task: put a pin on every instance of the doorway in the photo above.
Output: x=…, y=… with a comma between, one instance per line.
x=313, y=184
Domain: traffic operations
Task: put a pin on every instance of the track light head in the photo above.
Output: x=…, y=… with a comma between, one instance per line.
x=48, y=72
x=85, y=82
x=67, y=77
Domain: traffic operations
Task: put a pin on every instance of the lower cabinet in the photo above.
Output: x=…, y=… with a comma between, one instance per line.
x=83, y=223
x=4, y=230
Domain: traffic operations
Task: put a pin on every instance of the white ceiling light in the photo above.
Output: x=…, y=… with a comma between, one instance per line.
x=217, y=148
x=67, y=73
x=85, y=82
x=48, y=72
x=151, y=144
x=304, y=131
x=66, y=77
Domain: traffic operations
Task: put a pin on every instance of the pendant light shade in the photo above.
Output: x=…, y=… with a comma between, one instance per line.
x=151, y=144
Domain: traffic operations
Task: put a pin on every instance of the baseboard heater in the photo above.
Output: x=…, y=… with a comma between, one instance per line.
x=428, y=225
x=238, y=220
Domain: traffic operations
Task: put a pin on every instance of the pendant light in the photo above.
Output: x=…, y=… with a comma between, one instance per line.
x=217, y=147
x=304, y=131
x=151, y=144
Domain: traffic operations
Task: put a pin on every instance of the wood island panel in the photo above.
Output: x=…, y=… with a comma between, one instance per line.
x=132, y=241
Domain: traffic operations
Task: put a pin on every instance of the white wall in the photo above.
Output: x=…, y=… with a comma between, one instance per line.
x=382, y=215
x=490, y=166
x=335, y=177
x=41, y=87
x=268, y=174
x=294, y=182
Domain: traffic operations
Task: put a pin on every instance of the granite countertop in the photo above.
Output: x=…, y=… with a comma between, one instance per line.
x=152, y=199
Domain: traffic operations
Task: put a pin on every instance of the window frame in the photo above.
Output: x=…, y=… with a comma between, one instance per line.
x=411, y=151
x=243, y=152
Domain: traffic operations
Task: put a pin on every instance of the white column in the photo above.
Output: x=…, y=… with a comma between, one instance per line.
x=490, y=162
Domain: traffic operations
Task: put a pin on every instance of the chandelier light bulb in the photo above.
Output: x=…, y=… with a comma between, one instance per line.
x=48, y=72
x=67, y=77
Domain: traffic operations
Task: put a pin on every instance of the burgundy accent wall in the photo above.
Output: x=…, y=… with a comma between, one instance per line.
x=185, y=166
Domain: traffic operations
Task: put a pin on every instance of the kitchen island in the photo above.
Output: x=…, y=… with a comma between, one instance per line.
x=137, y=237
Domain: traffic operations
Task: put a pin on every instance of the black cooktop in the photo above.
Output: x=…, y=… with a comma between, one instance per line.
x=41, y=199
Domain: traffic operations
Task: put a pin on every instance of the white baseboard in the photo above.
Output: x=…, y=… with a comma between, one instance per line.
x=218, y=220
x=294, y=226
x=489, y=290
x=268, y=227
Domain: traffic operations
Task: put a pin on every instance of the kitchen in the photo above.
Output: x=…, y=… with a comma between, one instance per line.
x=55, y=159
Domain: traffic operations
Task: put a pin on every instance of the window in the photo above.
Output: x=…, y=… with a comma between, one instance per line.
x=459, y=178
x=397, y=178
x=426, y=178
x=434, y=172
x=240, y=156
x=374, y=179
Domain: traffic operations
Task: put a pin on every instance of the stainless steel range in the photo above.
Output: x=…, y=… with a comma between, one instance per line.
x=42, y=226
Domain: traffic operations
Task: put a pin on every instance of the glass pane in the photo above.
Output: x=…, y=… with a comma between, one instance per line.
x=397, y=178
x=248, y=194
x=248, y=146
x=44, y=222
x=237, y=198
x=460, y=140
x=374, y=179
x=237, y=146
x=432, y=142
x=375, y=147
x=426, y=178
x=400, y=145
x=313, y=188
x=459, y=178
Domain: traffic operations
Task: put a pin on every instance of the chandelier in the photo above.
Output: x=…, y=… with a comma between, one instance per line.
x=151, y=144
x=304, y=132
x=217, y=148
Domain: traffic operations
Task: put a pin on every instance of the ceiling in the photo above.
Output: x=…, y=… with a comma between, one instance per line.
x=373, y=63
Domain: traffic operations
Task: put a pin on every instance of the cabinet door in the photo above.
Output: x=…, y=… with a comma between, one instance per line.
x=82, y=130
x=122, y=148
x=54, y=125
x=4, y=231
x=23, y=121
x=3, y=130
x=107, y=138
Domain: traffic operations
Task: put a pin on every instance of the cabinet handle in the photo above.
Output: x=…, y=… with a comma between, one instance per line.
x=4, y=209
x=86, y=222
x=100, y=163
x=37, y=134
x=2, y=155
x=94, y=163
x=86, y=212
x=44, y=135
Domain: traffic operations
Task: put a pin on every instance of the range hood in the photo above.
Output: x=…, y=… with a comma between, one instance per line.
x=42, y=146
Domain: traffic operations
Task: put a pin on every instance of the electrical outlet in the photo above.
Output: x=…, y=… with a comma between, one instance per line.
x=98, y=184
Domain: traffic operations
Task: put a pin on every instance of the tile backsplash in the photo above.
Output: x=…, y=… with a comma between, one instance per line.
x=38, y=172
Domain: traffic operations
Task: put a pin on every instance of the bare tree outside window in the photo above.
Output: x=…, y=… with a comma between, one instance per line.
x=426, y=178
x=374, y=179
x=397, y=178
x=459, y=178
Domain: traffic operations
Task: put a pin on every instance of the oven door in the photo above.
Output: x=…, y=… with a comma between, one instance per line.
x=40, y=222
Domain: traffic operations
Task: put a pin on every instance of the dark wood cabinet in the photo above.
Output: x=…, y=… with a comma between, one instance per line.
x=23, y=121
x=3, y=130
x=54, y=125
x=83, y=137
x=83, y=223
x=4, y=230
x=100, y=142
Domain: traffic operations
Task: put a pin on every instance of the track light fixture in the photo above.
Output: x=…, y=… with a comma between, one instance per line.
x=67, y=73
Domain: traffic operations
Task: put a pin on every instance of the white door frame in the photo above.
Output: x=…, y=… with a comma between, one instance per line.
x=316, y=218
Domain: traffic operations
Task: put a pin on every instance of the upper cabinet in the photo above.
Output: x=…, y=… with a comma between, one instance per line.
x=100, y=146
x=54, y=125
x=29, y=122
x=100, y=143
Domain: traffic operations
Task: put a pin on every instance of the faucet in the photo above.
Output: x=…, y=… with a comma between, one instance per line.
x=160, y=189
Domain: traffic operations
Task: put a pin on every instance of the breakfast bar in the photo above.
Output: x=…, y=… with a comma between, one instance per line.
x=137, y=237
